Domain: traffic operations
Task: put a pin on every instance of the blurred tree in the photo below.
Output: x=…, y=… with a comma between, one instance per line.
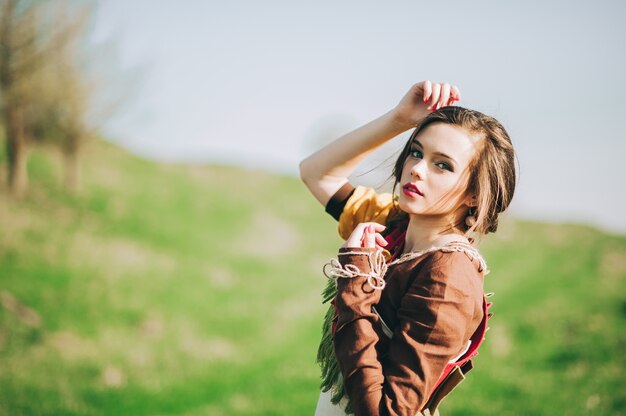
x=44, y=90
x=19, y=60
x=60, y=113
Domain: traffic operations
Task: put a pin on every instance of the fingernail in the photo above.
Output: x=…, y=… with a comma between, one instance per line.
x=426, y=99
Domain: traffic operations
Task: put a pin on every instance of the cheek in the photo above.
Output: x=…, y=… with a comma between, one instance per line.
x=405, y=172
x=448, y=185
x=454, y=188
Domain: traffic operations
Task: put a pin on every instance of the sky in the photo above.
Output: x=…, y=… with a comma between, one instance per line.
x=263, y=84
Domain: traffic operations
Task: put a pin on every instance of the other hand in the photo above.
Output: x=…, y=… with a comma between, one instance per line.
x=366, y=234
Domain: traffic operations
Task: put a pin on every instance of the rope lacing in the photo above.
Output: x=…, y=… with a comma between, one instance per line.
x=378, y=266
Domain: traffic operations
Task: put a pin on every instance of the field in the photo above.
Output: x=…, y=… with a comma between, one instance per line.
x=165, y=289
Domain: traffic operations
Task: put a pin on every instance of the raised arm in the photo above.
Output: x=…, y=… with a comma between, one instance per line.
x=326, y=170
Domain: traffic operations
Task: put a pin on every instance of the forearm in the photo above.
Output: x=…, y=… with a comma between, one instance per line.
x=357, y=350
x=356, y=339
x=326, y=170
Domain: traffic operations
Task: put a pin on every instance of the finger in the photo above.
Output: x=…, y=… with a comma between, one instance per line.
x=369, y=237
x=356, y=237
x=456, y=93
x=445, y=95
x=428, y=90
x=362, y=227
x=435, y=96
x=380, y=240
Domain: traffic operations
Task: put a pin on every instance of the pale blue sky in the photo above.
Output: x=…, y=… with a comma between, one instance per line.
x=258, y=83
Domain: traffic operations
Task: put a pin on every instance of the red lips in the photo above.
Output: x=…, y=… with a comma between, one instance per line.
x=410, y=189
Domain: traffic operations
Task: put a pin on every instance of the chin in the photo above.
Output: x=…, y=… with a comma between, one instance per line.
x=402, y=204
x=408, y=208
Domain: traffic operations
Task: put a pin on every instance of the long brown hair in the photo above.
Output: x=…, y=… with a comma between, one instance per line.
x=492, y=171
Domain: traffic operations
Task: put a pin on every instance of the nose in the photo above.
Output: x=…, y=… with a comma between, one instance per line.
x=418, y=170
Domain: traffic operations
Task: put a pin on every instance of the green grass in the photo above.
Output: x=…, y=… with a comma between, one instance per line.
x=172, y=289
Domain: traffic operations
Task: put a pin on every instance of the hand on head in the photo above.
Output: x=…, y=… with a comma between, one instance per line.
x=423, y=98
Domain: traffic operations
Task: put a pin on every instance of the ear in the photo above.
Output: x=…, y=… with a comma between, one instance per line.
x=471, y=200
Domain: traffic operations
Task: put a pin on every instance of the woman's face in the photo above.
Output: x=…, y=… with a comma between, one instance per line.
x=436, y=172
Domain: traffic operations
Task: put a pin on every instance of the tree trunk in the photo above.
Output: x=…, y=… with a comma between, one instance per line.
x=16, y=151
x=72, y=170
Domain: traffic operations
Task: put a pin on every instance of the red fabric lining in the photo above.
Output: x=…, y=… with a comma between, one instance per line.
x=477, y=338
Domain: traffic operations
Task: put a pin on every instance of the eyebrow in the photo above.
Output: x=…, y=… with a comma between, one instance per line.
x=417, y=142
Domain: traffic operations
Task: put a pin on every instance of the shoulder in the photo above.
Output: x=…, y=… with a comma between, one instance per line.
x=449, y=273
x=457, y=261
x=445, y=297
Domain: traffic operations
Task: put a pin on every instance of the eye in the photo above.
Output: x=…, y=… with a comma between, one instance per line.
x=416, y=154
x=444, y=166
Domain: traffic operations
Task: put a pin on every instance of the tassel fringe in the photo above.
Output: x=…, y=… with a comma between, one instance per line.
x=332, y=379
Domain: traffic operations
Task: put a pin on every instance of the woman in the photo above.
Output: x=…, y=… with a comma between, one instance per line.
x=408, y=305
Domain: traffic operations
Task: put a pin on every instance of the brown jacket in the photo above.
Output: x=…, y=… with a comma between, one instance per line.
x=431, y=304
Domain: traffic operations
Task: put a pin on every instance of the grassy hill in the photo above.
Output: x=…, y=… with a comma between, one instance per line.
x=195, y=290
